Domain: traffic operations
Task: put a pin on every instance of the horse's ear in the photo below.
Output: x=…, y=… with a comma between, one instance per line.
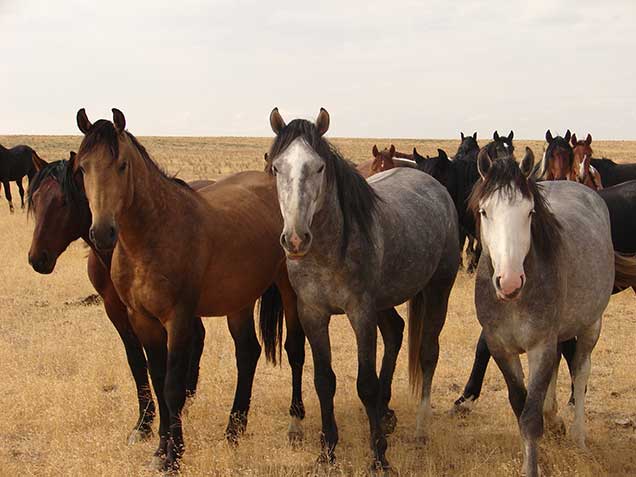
x=442, y=155
x=527, y=163
x=548, y=136
x=511, y=135
x=392, y=150
x=475, y=135
x=483, y=162
x=322, y=121
x=119, y=120
x=461, y=134
x=268, y=166
x=573, y=140
x=495, y=136
x=375, y=151
x=418, y=159
x=38, y=162
x=82, y=121
x=276, y=121
x=567, y=136
x=588, y=139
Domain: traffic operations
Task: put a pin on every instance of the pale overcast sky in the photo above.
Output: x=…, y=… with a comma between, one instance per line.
x=382, y=69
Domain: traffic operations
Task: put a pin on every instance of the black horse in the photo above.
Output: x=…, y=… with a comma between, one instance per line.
x=468, y=148
x=501, y=146
x=621, y=202
x=15, y=163
x=613, y=173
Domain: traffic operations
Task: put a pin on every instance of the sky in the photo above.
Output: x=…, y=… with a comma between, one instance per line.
x=411, y=69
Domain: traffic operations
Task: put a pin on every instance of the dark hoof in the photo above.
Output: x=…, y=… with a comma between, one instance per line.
x=235, y=428
x=382, y=469
x=158, y=462
x=326, y=459
x=389, y=422
x=139, y=435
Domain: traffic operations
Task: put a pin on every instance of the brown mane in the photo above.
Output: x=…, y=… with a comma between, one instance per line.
x=505, y=177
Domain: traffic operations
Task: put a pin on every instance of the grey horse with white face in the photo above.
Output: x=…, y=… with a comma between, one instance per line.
x=361, y=248
x=535, y=288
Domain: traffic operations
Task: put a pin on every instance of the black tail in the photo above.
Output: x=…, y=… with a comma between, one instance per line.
x=271, y=323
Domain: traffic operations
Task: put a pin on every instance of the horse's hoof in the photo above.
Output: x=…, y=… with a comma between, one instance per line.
x=555, y=426
x=326, y=459
x=295, y=433
x=158, y=462
x=379, y=469
x=463, y=406
x=388, y=422
x=139, y=435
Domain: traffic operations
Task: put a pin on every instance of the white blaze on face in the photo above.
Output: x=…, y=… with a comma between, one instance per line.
x=299, y=175
x=505, y=233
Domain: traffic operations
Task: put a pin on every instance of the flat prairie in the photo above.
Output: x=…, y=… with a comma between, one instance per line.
x=69, y=398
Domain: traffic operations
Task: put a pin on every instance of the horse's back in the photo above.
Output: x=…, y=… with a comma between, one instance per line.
x=621, y=202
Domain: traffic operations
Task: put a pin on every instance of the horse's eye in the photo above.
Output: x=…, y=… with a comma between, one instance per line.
x=482, y=212
x=274, y=170
x=122, y=166
x=320, y=169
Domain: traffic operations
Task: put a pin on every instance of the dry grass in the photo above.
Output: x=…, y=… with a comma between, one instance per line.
x=70, y=399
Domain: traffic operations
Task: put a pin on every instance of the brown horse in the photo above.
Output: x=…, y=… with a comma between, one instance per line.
x=58, y=204
x=582, y=170
x=178, y=254
x=382, y=161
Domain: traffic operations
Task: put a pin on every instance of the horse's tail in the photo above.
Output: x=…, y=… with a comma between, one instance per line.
x=416, y=337
x=625, y=275
x=271, y=323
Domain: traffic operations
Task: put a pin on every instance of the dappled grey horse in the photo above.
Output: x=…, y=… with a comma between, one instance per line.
x=361, y=248
x=535, y=288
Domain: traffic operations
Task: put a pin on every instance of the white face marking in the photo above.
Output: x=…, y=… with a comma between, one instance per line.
x=506, y=234
x=299, y=180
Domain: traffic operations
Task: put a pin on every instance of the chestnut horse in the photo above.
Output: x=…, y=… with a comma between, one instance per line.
x=582, y=169
x=177, y=254
x=383, y=161
x=56, y=199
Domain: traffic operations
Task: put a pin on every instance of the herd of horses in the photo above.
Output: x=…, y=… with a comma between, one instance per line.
x=314, y=235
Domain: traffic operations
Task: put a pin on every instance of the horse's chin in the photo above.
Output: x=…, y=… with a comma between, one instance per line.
x=295, y=255
x=509, y=298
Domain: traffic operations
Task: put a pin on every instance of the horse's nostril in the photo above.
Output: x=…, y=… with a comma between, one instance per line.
x=306, y=237
x=113, y=233
x=283, y=240
x=91, y=234
x=498, y=283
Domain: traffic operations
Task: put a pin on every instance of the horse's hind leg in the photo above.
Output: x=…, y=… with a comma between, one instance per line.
x=427, y=315
x=198, y=341
x=472, y=390
x=553, y=422
x=7, y=194
x=21, y=191
x=582, y=364
x=391, y=326
x=568, y=348
x=247, y=352
x=295, y=348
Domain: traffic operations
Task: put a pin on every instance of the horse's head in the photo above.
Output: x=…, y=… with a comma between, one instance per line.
x=468, y=145
x=501, y=146
x=61, y=213
x=558, y=160
x=440, y=167
x=583, y=171
x=504, y=203
x=382, y=160
x=106, y=158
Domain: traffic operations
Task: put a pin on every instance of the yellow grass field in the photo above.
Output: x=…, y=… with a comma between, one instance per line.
x=69, y=401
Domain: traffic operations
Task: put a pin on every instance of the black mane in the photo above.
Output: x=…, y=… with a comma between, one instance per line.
x=61, y=173
x=103, y=133
x=563, y=144
x=357, y=200
x=505, y=177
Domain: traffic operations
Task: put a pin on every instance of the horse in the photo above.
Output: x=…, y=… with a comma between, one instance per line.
x=501, y=146
x=458, y=176
x=468, y=148
x=612, y=173
x=532, y=287
x=340, y=239
x=383, y=161
x=15, y=163
x=582, y=170
x=56, y=199
x=176, y=254
x=558, y=159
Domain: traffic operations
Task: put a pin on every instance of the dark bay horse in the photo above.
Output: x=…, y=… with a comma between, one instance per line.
x=612, y=173
x=176, y=254
x=15, y=163
x=500, y=146
x=468, y=148
x=56, y=199
x=532, y=289
x=345, y=238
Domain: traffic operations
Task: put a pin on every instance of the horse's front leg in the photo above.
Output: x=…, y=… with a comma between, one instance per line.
x=472, y=390
x=541, y=363
x=21, y=191
x=391, y=326
x=247, y=352
x=315, y=323
x=364, y=320
x=179, y=326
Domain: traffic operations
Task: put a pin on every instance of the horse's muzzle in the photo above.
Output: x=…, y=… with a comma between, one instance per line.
x=295, y=245
x=103, y=236
x=509, y=288
x=42, y=263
